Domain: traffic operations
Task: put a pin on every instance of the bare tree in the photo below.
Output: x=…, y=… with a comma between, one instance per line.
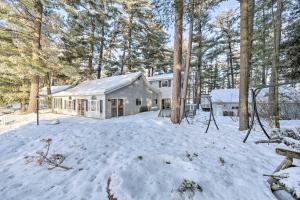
x=188, y=60
x=244, y=70
x=273, y=91
x=36, y=47
x=175, y=113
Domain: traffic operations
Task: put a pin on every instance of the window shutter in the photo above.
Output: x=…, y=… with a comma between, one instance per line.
x=169, y=83
x=159, y=83
x=101, y=106
x=87, y=105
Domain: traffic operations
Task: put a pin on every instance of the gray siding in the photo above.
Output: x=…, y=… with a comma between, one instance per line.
x=129, y=94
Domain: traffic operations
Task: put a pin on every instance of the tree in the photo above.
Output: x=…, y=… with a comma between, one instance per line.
x=36, y=47
x=176, y=89
x=188, y=61
x=273, y=91
x=225, y=25
x=244, y=66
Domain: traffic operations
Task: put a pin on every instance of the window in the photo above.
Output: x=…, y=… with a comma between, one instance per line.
x=93, y=105
x=235, y=107
x=138, y=102
x=228, y=113
x=166, y=83
x=155, y=101
x=74, y=104
x=166, y=103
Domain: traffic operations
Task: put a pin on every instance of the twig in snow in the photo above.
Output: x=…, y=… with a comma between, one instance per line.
x=108, y=190
x=54, y=160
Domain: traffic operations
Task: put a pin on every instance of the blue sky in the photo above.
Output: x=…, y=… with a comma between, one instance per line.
x=224, y=5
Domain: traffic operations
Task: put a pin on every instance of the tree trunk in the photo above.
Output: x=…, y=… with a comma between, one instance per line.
x=34, y=88
x=101, y=53
x=175, y=113
x=273, y=91
x=244, y=70
x=188, y=62
x=130, y=43
x=199, y=69
x=231, y=63
x=263, y=79
x=123, y=58
x=89, y=70
x=48, y=83
x=251, y=25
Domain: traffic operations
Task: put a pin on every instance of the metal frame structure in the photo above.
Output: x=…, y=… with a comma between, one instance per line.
x=211, y=115
x=254, y=113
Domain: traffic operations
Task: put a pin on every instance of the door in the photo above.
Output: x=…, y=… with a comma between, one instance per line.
x=117, y=107
x=120, y=107
x=80, y=106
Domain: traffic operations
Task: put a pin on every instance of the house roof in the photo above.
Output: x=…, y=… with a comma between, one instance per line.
x=54, y=89
x=160, y=77
x=103, y=85
x=286, y=94
x=225, y=95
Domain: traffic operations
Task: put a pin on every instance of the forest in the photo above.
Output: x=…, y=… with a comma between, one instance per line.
x=48, y=42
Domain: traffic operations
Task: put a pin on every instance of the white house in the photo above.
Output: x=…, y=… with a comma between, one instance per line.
x=225, y=102
x=44, y=99
x=163, y=82
x=108, y=97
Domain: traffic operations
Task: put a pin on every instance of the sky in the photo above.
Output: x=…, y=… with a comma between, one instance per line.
x=224, y=5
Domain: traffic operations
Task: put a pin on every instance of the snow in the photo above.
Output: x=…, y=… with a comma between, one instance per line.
x=160, y=77
x=286, y=93
x=101, y=86
x=225, y=95
x=146, y=157
x=54, y=89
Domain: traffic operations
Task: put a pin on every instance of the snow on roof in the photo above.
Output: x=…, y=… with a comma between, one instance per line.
x=160, y=77
x=54, y=89
x=102, y=86
x=286, y=94
x=225, y=95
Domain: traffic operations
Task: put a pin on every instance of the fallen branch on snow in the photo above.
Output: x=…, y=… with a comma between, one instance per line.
x=55, y=160
x=108, y=191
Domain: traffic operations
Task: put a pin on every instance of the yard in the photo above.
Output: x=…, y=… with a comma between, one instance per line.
x=146, y=157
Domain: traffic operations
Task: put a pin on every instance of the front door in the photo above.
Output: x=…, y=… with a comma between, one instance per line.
x=117, y=107
x=80, y=106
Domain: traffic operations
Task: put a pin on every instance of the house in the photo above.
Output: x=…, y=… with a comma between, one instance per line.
x=225, y=102
x=163, y=83
x=108, y=97
x=45, y=100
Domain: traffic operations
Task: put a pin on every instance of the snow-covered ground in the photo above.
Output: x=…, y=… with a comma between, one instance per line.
x=146, y=157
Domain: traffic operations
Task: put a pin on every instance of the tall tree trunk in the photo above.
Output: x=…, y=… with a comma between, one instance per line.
x=89, y=70
x=231, y=63
x=48, y=86
x=244, y=71
x=123, y=58
x=101, y=52
x=251, y=26
x=273, y=91
x=175, y=113
x=130, y=43
x=188, y=62
x=48, y=83
x=198, y=91
x=34, y=88
x=263, y=78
